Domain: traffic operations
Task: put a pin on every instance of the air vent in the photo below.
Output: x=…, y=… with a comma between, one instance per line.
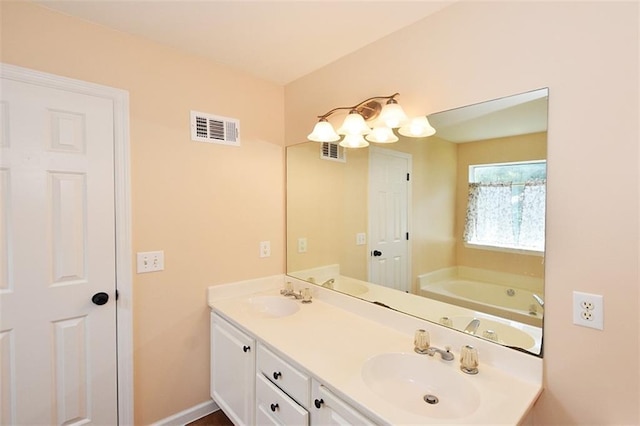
x=214, y=129
x=332, y=151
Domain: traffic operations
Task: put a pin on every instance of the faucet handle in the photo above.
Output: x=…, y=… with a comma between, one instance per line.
x=469, y=359
x=421, y=341
x=288, y=289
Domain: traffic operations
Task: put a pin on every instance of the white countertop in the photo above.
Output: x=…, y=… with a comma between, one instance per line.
x=332, y=337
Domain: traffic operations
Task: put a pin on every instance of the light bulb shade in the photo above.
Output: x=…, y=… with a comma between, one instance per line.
x=323, y=132
x=354, y=124
x=418, y=127
x=392, y=115
x=354, y=141
x=382, y=134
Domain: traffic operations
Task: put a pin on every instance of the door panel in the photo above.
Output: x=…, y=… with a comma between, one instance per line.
x=388, y=218
x=58, y=364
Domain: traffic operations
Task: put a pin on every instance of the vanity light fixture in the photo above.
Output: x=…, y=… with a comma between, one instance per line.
x=357, y=133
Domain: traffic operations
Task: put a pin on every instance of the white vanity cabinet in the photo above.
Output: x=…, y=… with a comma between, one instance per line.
x=233, y=370
x=255, y=385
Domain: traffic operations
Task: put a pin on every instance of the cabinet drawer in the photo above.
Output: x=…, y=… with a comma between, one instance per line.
x=274, y=407
x=286, y=377
x=334, y=411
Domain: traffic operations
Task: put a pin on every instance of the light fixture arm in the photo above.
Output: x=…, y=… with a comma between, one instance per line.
x=357, y=106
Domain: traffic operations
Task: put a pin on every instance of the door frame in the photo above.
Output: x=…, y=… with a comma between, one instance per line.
x=122, y=213
x=409, y=158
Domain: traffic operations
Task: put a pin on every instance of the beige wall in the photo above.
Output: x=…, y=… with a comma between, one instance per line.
x=326, y=204
x=502, y=150
x=207, y=206
x=587, y=54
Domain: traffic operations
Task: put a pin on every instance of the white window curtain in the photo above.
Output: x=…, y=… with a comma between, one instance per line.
x=532, y=224
x=489, y=214
x=506, y=215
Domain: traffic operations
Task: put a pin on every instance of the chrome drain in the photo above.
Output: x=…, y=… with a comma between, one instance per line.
x=431, y=399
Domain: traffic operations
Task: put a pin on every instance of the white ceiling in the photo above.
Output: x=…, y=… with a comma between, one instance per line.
x=279, y=41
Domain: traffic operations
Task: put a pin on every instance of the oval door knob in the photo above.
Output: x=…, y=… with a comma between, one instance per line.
x=100, y=298
x=377, y=253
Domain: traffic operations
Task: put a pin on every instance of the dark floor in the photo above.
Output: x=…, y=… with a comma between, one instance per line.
x=217, y=418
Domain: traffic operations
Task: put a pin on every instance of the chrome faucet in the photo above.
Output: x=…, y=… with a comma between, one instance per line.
x=422, y=345
x=472, y=327
x=446, y=354
x=539, y=300
x=328, y=283
x=289, y=291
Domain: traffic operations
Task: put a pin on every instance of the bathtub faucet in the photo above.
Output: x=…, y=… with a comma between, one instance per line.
x=539, y=300
x=328, y=283
x=472, y=327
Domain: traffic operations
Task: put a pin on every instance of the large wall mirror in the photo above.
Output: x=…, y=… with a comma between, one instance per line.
x=449, y=228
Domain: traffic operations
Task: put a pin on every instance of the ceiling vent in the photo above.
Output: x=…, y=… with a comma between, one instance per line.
x=332, y=151
x=214, y=129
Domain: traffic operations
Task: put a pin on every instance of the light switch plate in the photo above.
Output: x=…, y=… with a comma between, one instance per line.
x=265, y=248
x=150, y=261
x=302, y=245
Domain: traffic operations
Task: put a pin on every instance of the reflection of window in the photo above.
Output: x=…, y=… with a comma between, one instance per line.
x=506, y=205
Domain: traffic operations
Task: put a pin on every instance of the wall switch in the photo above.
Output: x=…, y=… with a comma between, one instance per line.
x=150, y=261
x=361, y=239
x=265, y=248
x=588, y=310
x=302, y=245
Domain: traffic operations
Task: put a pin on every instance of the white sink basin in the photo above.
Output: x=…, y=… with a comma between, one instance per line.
x=507, y=335
x=404, y=379
x=273, y=306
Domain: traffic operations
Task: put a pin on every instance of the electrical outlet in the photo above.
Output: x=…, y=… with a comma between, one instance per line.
x=302, y=245
x=588, y=310
x=265, y=248
x=150, y=261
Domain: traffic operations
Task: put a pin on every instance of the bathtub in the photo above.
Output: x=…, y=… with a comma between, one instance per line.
x=498, y=299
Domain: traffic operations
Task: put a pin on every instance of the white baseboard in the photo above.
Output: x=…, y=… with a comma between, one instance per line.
x=189, y=415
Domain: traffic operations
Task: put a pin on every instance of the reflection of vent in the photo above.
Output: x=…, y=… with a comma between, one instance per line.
x=332, y=151
x=214, y=129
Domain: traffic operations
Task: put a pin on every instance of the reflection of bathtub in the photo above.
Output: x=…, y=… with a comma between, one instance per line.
x=507, y=332
x=495, y=299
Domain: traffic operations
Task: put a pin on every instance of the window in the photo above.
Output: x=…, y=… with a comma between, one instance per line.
x=506, y=205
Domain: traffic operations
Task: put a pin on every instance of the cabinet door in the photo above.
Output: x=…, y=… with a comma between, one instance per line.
x=232, y=371
x=328, y=409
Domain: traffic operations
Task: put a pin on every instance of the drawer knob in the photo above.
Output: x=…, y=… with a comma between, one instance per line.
x=274, y=407
x=318, y=403
x=276, y=375
x=246, y=348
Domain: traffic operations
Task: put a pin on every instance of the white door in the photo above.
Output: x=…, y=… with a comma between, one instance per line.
x=233, y=361
x=389, y=182
x=57, y=341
